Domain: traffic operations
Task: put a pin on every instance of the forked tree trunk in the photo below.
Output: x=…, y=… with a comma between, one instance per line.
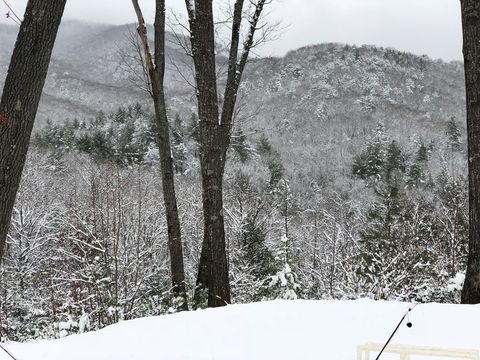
x=215, y=134
x=213, y=269
x=156, y=71
x=21, y=94
x=471, y=53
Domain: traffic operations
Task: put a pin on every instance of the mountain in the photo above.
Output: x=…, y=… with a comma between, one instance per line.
x=89, y=69
x=320, y=103
x=317, y=104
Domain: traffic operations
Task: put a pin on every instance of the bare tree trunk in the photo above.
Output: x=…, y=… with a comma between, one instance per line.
x=471, y=53
x=215, y=134
x=156, y=70
x=20, y=98
x=213, y=268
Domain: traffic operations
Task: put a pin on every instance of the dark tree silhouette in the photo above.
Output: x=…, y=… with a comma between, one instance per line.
x=216, y=124
x=471, y=53
x=155, y=66
x=20, y=97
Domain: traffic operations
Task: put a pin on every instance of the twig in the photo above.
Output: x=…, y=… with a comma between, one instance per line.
x=18, y=21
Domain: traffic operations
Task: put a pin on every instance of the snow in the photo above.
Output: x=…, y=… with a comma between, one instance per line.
x=456, y=284
x=275, y=330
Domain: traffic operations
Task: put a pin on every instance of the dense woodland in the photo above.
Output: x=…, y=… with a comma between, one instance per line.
x=87, y=245
x=345, y=176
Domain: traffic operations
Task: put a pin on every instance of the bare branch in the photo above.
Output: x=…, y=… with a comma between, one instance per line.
x=16, y=19
x=247, y=45
x=134, y=64
x=181, y=37
x=231, y=87
x=142, y=32
x=236, y=68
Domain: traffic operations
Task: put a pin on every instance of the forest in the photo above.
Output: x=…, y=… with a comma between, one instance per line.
x=336, y=172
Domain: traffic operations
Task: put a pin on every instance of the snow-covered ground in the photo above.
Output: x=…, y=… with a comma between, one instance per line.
x=293, y=330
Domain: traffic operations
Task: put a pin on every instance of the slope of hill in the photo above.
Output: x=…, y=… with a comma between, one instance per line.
x=313, y=82
x=269, y=330
x=89, y=71
x=317, y=104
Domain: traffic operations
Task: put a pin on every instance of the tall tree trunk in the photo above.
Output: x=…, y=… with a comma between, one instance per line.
x=156, y=70
x=471, y=53
x=21, y=95
x=213, y=268
x=214, y=231
x=215, y=134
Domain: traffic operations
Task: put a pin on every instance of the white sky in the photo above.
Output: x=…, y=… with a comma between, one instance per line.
x=431, y=27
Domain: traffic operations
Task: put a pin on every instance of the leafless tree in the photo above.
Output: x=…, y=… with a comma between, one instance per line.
x=156, y=71
x=134, y=64
x=216, y=120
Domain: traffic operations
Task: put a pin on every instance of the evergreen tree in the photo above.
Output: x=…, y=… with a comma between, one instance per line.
x=120, y=115
x=284, y=284
x=264, y=146
x=417, y=173
x=239, y=146
x=276, y=170
x=99, y=144
x=370, y=163
x=395, y=161
x=395, y=253
x=179, y=146
x=125, y=136
x=453, y=135
x=57, y=136
x=99, y=120
x=256, y=252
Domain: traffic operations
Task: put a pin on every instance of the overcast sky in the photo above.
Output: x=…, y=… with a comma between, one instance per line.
x=431, y=27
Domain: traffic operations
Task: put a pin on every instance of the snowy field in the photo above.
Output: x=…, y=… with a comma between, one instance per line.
x=275, y=330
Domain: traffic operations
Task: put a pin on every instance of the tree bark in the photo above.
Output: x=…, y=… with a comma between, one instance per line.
x=215, y=135
x=471, y=53
x=213, y=267
x=156, y=70
x=20, y=98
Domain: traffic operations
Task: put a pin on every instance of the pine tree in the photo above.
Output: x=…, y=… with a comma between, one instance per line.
x=395, y=161
x=417, y=172
x=239, y=146
x=284, y=284
x=395, y=256
x=179, y=146
x=453, y=135
x=370, y=163
x=257, y=253
x=264, y=146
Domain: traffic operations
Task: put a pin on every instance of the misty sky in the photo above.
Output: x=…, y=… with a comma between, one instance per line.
x=431, y=27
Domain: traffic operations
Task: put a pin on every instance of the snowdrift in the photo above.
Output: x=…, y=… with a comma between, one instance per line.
x=275, y=330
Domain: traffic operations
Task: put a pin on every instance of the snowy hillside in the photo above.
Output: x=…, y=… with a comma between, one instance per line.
x=309, y=88
x=270, y=330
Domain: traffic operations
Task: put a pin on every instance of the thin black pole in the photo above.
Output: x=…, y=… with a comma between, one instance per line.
x=7, y=352
x=391, y=336
x=394, y=331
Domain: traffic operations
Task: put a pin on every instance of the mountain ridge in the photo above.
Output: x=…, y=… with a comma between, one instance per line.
x=317, y=104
